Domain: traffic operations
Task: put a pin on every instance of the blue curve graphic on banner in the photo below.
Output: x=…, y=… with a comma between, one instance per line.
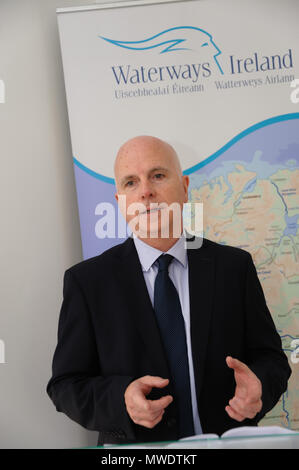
x=93, y=173
x=171, y=43
x=234, y=140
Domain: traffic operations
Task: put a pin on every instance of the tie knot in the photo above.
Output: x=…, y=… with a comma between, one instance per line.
x=164, y=261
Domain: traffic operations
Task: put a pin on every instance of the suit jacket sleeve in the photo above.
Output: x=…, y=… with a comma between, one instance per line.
x=264, y=349
x=77, y=387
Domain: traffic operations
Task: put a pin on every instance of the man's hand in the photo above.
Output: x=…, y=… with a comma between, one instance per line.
x=247, y=400
x=145, y=412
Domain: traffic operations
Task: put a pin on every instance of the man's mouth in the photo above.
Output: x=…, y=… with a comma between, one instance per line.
x=151, y=210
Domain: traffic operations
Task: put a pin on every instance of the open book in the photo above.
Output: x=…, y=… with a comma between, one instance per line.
x=240, y=432
x=243, y=431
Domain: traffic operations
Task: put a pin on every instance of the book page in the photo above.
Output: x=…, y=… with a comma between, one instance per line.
x=199, y=436
x=193, y=441
x=257, y=431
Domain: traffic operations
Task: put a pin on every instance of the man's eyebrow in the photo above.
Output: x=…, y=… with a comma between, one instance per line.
x=126, y=178
x=152, y=170
x=158, y=168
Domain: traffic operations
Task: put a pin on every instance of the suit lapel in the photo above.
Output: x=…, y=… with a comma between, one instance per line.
x=201, y=287
x=135, y=290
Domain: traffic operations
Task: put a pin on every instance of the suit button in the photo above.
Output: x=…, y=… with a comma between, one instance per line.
x=171, y=422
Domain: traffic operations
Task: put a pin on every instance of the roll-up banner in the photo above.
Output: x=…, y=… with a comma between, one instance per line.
x=219, y=81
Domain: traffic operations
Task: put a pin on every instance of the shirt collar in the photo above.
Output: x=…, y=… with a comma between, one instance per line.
x=148, y=255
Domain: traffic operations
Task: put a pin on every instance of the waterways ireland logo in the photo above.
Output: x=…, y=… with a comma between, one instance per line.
x=180, y=38
x=162, y=51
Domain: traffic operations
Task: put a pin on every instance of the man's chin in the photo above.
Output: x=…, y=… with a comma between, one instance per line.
x=156, y=223
x=155, y=231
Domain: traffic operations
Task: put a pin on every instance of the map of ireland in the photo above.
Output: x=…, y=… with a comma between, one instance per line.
x=250, y=196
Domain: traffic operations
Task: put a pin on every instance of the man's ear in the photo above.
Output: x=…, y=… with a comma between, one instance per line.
x=186, y=185
x=116, y=196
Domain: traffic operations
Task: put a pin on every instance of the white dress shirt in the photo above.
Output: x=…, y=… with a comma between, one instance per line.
x=178, y=273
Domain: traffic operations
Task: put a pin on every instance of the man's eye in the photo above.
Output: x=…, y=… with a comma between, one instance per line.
x=129, y=183
x=159, y=176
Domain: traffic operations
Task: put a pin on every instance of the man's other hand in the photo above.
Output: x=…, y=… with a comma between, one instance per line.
x=145, y=412
x=247, y=401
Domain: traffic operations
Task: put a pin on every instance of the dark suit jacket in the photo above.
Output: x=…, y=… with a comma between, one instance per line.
x=108, y=337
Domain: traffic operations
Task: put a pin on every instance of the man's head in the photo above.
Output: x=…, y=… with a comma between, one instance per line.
x=147, y=171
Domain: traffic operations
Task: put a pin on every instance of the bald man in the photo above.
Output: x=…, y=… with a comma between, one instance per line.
x=111, y=371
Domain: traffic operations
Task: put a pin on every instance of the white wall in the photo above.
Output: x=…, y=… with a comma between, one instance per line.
x=40, y=235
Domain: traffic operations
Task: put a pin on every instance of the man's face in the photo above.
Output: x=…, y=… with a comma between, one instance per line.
x=147, y=172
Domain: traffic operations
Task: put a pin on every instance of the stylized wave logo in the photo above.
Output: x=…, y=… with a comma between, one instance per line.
x=179, y=38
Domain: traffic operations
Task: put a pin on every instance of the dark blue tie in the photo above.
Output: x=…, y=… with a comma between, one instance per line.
x=169, y=316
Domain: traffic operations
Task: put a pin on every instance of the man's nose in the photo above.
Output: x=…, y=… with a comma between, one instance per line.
x=146, y=190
